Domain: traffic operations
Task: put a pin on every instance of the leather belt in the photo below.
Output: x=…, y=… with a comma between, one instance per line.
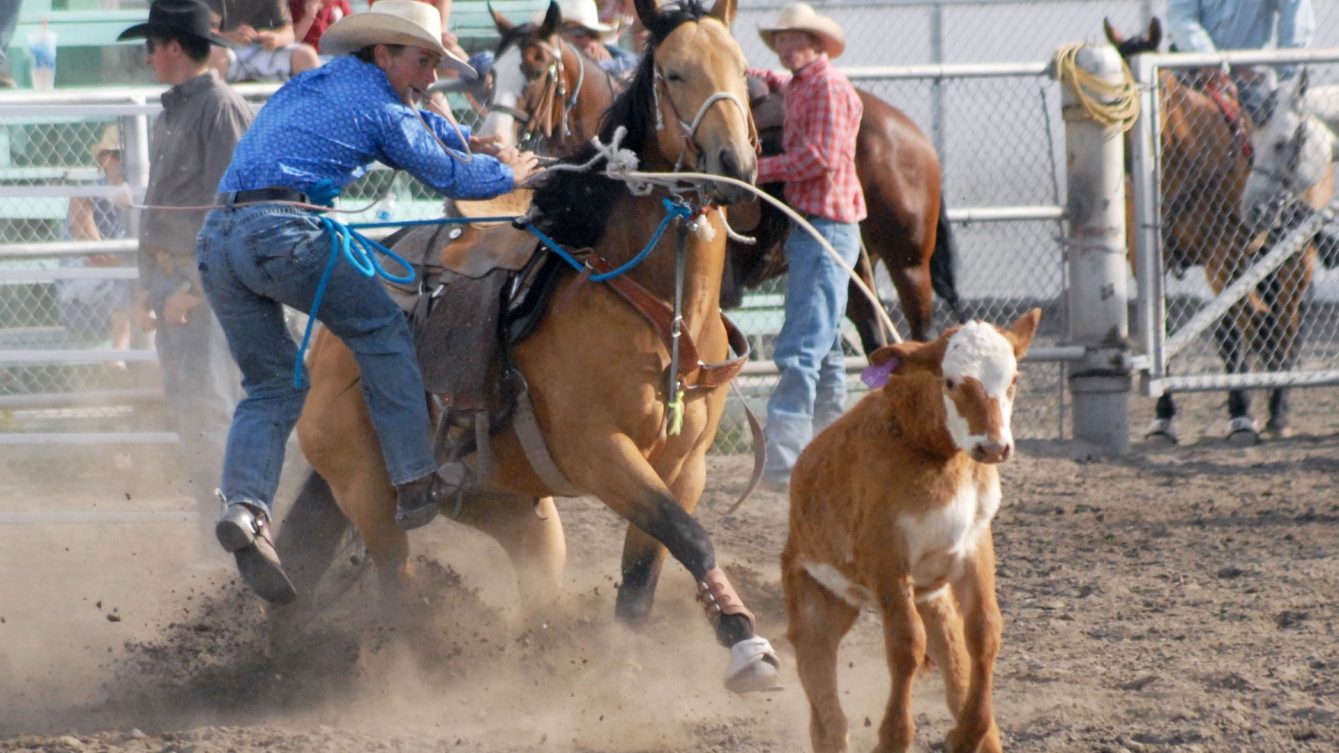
x=261, y=195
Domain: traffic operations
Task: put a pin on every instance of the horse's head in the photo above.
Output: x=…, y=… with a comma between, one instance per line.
x=1292, y=153
x=1131, y=46
x=694, y=71
x=528, y=57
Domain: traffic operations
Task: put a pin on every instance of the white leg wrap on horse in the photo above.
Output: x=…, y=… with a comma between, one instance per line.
x=754, y=666
x=1241, y=431
x=1161, y=428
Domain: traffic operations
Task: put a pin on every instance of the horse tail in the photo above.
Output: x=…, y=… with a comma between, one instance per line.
x=311, y=534
x=944, y=263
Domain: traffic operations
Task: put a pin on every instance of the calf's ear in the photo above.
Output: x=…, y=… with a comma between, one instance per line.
x=1021, y=332
x=900, y=354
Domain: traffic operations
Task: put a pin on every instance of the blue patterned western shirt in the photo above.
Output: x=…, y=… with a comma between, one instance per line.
x=330, y=123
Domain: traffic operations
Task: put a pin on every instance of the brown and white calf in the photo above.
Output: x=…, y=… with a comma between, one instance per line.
x=891, y=507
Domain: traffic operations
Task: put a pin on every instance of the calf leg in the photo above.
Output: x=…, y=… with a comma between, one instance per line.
x=975, y=731
x=945, y=645
x=818, y=620
x=904, y=642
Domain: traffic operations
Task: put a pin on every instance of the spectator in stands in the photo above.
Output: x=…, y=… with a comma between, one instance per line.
x=92, y=306
x=822, y=114
x=583, y=28
x=9, y=21
x=264, y=46
x=312, y=17
x=259, y=251
x=193, y=139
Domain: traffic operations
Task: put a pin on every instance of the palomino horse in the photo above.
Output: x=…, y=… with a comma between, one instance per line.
x=1205, y=162
x=597, y=363
x=539, y=79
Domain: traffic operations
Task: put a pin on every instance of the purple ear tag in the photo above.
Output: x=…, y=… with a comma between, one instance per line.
x=875, y=377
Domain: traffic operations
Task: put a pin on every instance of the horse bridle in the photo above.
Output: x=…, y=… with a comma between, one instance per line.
x=688, y=130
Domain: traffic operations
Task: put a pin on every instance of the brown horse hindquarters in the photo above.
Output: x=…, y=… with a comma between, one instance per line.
x=899, y=172
x=339, y=441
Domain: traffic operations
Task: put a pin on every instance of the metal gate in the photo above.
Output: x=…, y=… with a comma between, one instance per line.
x=1177, y=312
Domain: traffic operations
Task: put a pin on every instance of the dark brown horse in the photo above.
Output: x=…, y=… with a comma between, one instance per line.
x=596, y=366
x=1205, y=163
x=547, y=92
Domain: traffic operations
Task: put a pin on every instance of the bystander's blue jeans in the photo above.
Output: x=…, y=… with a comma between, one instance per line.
x=811, y=391
x=252, y=260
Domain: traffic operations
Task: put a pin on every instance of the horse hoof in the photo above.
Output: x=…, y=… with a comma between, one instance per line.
x=1160, y=432
x=1278, y=430
x=754, y=667
x=1241, y=432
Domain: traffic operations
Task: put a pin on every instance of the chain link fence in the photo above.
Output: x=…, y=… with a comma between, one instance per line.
x=998, y=132
x=1249, y=301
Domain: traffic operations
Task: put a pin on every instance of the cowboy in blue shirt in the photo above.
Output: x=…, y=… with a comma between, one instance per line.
x=258, y=252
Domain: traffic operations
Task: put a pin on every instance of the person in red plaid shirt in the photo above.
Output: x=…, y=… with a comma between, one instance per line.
x=817, y=164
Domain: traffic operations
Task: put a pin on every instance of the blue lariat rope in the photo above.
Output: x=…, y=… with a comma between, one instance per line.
x=673, y=210
x=361, y=251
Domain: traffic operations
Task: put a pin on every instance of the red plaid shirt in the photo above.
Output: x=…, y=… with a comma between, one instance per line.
x=818, y=162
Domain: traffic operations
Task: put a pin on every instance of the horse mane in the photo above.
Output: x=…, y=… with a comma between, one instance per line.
x=574, y=207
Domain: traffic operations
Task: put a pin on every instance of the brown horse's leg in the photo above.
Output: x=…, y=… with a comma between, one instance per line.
x=531, y=533
x=644, y=556
x=861, y=311
x=341, y=444
x=916, y=295
x=631, y=488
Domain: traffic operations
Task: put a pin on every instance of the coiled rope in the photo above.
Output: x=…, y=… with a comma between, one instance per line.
x=1111, y=105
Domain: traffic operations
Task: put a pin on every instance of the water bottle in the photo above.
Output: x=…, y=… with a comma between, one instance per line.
x=385, y=207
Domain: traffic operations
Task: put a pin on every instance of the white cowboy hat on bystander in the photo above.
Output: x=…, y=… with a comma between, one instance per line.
x=406, y=22
x=803, y=17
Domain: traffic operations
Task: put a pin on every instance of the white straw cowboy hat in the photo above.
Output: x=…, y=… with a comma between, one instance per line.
x=584, y=14
x=407, y=22
x=803, y=17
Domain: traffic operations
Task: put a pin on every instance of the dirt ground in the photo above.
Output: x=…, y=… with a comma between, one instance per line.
x=1178, y=599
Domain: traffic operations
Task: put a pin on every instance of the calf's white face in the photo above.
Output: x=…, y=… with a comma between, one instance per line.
x=980, y=378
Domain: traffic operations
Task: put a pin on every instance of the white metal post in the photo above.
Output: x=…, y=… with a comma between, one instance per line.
x=1150, y=304
x=1098, y=317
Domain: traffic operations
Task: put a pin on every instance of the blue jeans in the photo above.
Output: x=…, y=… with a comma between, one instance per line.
x=252, y=260
x=811, y=391
x=199, y=382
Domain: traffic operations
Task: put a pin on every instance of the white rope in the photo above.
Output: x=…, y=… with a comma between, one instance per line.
x=622, y=163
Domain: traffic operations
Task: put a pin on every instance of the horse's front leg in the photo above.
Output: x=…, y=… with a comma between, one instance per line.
x=644, y=555
x=632, y=488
